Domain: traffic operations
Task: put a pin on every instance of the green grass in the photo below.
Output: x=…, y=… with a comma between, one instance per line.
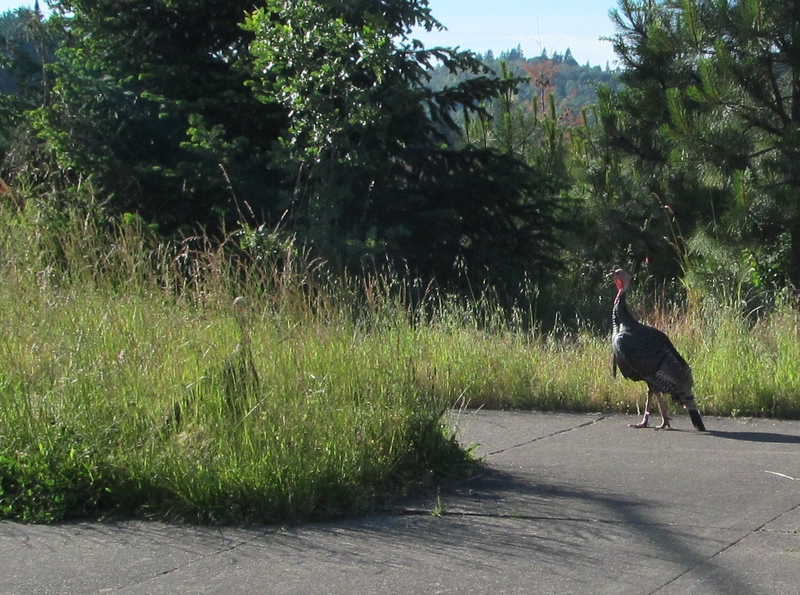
x=89, y=391
x=123, y=391
x=743, y=366
x=122, y=395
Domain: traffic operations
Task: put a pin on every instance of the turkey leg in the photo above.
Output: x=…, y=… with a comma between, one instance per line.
x=643, y=423
x=662, y=407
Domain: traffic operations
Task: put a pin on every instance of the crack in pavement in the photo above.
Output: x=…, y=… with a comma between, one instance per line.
x=724, y=549
x=527, y=517
x=236, y=544
x=552, y=434
x=710, y=559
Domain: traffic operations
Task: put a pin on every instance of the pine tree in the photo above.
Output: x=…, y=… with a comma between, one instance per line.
x=710, y=115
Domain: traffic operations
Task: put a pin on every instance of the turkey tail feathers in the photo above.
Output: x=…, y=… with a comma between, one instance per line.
x=697, y=421
x=687, y=400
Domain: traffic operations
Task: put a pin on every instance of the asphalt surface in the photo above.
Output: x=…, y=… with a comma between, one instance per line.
x=566, y=504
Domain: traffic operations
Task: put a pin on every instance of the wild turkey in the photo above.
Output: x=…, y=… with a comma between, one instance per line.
x=642, y=352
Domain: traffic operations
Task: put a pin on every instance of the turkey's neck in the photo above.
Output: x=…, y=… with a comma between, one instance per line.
x=620, y=315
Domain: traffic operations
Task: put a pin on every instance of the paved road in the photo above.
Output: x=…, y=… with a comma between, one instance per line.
x=567, y=504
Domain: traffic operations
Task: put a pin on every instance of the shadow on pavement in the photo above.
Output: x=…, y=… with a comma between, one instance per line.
x=506, y=516
x=767, y=437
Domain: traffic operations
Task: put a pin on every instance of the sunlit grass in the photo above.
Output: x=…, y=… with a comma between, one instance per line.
x=745, y=363
x=120, y=394
x=749, y=368
x=90, y=388
x=127, y=387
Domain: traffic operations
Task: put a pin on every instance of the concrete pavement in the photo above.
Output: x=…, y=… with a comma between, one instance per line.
x=567, y=503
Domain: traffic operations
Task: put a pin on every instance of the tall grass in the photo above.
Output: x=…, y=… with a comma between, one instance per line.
x=743, y=365
x=123, y=390
x=129, y=386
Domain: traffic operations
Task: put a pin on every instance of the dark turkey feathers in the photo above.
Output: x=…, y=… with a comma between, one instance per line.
x=644, y=353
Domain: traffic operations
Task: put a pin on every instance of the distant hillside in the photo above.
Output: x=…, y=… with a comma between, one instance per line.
x=573, y=86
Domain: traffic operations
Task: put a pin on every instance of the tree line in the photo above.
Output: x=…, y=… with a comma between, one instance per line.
x=326, y=120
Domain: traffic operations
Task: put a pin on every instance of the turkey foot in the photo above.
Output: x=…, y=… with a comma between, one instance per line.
x=662, y=408
x=648, y=402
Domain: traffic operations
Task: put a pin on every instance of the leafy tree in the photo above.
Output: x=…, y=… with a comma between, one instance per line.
x=636, y=202
x=26, y=45
x=149, y=106
x=493, y=217
x=315, y=114
x=369, y=142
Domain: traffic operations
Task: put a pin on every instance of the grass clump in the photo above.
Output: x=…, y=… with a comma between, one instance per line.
x=128, y=388
x=748, y=366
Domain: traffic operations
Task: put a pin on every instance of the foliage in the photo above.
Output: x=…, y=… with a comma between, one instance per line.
x=366, y=141
x=149, y=107
x=492, y=221
x=707, y=122
x=27, y=43
x=316, y=115
x=324, y=120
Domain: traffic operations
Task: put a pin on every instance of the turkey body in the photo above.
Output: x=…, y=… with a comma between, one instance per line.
x=644, y=353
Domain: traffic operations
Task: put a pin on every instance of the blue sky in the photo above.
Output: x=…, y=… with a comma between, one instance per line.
x=500, y=25
x=12, y=4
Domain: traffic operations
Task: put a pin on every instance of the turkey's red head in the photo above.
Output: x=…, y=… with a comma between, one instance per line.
x=621, y=279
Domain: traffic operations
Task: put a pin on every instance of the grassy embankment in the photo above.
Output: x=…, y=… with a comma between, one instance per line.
x=123, y=392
